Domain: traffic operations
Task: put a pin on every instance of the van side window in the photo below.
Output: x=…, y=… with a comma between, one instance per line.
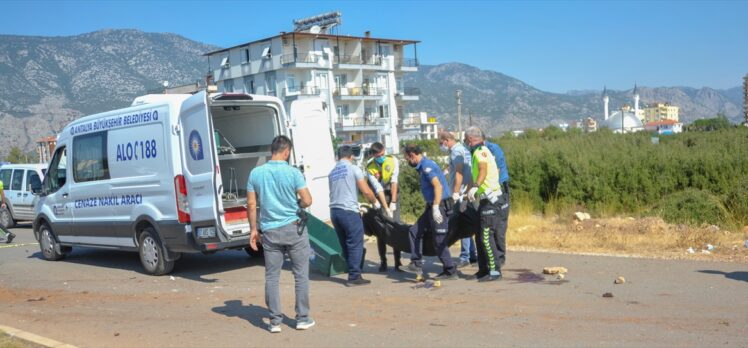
x=90, y=157
x=32, y=180
x=57, y=175
x=5, y=177
x=17, y=180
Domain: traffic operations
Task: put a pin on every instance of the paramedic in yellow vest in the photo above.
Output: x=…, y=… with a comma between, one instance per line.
x=486, y=191
x=385, y=168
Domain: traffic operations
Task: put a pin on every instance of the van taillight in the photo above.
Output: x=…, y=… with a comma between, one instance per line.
x=183, y=206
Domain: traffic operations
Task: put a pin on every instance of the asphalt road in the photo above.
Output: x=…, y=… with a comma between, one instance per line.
x=101, y=298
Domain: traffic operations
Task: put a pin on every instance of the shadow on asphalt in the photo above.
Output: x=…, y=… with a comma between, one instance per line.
x=251, y=313
x=739, y=276
x=190, y=266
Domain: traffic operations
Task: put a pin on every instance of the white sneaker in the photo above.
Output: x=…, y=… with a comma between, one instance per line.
x=303, y=325
x=274, y=328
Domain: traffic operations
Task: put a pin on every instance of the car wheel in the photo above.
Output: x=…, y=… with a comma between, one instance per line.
x=48, y=244
x=6, y=218
x=153, y=254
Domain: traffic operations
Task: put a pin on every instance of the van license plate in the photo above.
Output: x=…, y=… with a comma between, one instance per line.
x=206, y=232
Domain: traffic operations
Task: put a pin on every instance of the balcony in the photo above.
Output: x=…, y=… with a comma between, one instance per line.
x=296, y=91
x=407, y=64
x=301, y=60
x=357, y=62
x=359, y=92
x=409, y=93
x=370, y=121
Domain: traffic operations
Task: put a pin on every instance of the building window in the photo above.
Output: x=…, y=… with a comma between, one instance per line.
x=249, y=85
x=291, y=83
x=246, y=55
x=225, y=62
x=343, y=111
x=228, y=85
x=266, y=52
x=270, y=83
x=90, y=157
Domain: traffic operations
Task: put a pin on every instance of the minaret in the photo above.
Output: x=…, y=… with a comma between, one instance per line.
x=745, y=99
x=605, y=101
x=636, y=101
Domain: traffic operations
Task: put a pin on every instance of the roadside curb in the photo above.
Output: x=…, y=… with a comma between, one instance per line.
x=34, y=338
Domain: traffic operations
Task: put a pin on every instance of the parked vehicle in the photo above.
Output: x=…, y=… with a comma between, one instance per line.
x=168, y=175
x=19, y=181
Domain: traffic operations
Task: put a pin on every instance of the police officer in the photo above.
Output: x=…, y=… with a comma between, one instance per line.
x=435, y=216
x=487, y=192
x=385, y=169
x=346, y=181
x=498, y=154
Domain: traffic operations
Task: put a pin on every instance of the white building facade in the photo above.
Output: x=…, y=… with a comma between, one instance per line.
x=418, y=126
x=360, y=78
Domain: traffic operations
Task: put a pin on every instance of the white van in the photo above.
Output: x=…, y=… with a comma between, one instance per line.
x=19, y=182
x=169, y=174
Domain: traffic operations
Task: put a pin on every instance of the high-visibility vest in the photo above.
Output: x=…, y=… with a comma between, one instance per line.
x=491, y=183
x=385, y=170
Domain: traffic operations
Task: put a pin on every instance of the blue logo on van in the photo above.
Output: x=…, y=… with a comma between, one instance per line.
x=196, y=146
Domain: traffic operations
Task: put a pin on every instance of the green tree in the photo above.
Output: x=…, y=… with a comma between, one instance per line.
x=710, y=124
x=15, y=156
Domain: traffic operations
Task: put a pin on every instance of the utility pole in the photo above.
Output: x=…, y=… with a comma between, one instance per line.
x=458, y=95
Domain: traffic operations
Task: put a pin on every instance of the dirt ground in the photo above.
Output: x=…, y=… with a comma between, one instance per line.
x=100, y=298
x=638, y=237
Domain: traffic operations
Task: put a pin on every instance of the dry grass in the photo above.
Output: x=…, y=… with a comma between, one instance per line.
x=624, y=236
x=6, y=341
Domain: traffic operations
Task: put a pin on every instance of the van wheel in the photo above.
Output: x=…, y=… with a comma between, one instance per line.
x=258, y=253
x=152, y=254
x=49, y=245
x=6, y=218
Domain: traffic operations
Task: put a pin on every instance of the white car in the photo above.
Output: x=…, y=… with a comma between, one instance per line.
x=168, y=175
x=19, y=181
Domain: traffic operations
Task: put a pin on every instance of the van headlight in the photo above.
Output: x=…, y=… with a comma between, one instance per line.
x=206, y=232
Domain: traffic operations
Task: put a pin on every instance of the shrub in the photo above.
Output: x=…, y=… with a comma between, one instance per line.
x=736, y=203
x=693, y=207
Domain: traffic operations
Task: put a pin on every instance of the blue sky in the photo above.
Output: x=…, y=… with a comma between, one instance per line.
x=553, y=45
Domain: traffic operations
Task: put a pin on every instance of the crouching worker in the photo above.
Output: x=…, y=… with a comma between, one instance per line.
x=346, y=181
x=435, y=217
x=487, y=191
x=276, y=185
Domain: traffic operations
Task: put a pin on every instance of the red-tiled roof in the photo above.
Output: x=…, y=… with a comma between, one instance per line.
x=661, y=123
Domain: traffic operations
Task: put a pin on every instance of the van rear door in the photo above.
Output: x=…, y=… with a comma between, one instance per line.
x=198, y=158
x=313, y=151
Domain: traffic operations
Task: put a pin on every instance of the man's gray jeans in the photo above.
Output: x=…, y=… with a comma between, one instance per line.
x=275, y=243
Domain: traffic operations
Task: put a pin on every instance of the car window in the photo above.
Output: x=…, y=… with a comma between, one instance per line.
x=57, y=175
x=17, y=180
x=32, y=181
x=5, y=177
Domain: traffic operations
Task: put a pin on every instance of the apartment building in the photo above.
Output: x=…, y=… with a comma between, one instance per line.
x=360, y=78
x=661, y=111
x=418, y=126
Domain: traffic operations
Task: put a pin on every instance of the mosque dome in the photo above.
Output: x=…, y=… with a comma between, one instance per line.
x=630, y=122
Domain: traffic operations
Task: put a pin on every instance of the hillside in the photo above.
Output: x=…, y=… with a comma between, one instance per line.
x=47, y=81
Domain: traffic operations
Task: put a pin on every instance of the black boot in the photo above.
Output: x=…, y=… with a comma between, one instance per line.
x=383, y=267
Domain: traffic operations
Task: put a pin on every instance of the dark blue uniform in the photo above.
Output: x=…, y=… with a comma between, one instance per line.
x=498, y=153
x=429, y=170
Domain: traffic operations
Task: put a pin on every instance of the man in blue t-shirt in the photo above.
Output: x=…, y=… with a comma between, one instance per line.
x=436, y=215
x=275, y=186
x=498, y=153
x=346, y=181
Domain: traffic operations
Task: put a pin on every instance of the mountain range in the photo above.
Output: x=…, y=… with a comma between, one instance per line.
x=45, y=82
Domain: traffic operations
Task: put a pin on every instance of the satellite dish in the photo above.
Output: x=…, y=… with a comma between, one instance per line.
x=315, y=29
